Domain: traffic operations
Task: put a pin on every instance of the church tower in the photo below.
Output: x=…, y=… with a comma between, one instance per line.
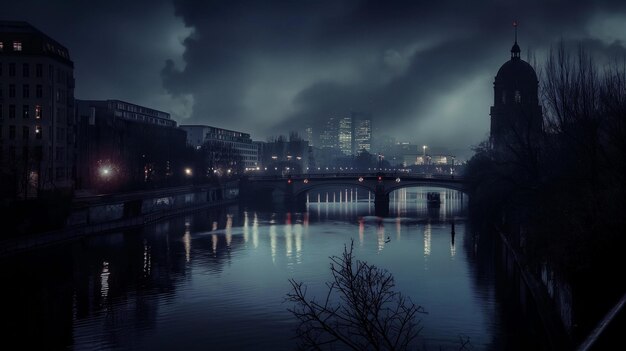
x=516, y=113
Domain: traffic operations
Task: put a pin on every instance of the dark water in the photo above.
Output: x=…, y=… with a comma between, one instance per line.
x=216, y=280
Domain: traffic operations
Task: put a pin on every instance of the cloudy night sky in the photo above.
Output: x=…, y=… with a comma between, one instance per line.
x=424, y=69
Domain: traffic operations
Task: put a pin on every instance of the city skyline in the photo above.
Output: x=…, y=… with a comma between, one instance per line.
x=418, y=68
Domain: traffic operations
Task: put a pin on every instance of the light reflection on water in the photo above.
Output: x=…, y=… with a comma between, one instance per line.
x=218, y=279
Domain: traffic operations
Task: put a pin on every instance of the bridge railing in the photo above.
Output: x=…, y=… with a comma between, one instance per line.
x=365, y=175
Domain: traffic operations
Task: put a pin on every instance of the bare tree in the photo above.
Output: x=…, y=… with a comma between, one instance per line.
x=361, y=310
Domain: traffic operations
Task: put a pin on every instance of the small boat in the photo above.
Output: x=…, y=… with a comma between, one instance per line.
x=433, y=199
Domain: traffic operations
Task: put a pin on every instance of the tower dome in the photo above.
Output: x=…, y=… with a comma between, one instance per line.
x=516, y=80
x=516, y=77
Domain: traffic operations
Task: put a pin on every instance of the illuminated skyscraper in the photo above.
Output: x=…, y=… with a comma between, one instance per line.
x=346, y=132
x=362, y=132
x=330, y=135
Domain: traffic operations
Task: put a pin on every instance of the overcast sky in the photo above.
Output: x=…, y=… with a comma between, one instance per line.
x=423, y=69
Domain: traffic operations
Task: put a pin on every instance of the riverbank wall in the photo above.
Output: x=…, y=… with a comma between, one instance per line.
x=539, y=290
x=97, y=214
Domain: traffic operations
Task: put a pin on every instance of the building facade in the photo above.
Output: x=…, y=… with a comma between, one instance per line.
x=516, y=116
x=37, y=121
x=125, y=146
x=285, y=155
x=198, y=135
x=308, y=133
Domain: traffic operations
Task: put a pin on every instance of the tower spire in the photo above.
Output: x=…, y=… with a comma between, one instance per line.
x=515, y=50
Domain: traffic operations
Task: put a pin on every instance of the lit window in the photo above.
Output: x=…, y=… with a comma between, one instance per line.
x=17, y=46
x=1, y=46
x=38, y=132
x=37, y=112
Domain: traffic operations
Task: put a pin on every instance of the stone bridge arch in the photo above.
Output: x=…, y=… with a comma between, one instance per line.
x=293, y=188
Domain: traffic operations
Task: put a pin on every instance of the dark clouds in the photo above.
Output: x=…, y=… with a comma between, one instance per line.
x=424, y=69
x=118, y=47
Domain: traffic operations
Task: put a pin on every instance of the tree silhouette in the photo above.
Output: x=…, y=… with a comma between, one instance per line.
x=361, y=310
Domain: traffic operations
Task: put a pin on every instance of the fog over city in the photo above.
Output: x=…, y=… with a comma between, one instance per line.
x=423, y=69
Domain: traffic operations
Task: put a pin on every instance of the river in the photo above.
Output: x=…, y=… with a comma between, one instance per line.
x=217, y=279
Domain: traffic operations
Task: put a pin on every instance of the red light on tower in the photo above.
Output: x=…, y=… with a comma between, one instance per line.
x=289, y=181
x=380, y=178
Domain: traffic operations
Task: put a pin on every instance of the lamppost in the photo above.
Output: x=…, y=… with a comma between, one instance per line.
x=424, y=148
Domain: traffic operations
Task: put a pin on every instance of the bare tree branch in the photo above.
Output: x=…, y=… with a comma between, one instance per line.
x=361, y=310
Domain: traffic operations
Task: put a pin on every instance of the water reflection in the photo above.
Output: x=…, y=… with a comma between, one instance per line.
x=427, y=239
x=195, y=281
x=104, y=280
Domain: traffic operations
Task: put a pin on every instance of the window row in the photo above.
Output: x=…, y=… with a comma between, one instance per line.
x=61, y=76
x=517, y=97
x=61, y=135
x=27, y=92
x=17, y=45
x=26, y=71
x=35, y=154
x=26, y=111
x=26, y=132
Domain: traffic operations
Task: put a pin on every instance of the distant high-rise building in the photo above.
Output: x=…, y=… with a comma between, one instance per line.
x=362, y=132
x=346, y=132
x=329, y=138
x=37, y=121
x=309, y=135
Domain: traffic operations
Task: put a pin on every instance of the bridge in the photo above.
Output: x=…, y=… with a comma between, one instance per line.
x=291, y=188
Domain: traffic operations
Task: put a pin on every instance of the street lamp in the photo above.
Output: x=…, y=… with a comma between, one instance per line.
x=424, y=148
x=105, y=171
x=188, y=172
